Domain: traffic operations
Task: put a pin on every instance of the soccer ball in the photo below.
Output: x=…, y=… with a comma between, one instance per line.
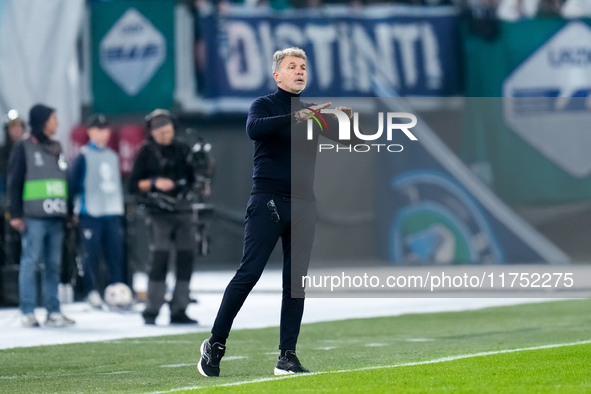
x=118, y=295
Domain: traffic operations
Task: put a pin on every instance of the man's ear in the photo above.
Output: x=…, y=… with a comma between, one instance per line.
x=275, y=76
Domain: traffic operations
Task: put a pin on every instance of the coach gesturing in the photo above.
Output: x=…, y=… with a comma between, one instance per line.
x=269, y=211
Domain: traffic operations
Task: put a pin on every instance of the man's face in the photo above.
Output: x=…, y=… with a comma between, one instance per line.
x=100, y=136
x=163, y=135
x=292, y=75
x=51, y=125
x=16, y=131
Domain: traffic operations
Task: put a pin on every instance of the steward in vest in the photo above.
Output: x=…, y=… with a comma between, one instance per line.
x=164, y=181
x=37, y=192
x=95, y=185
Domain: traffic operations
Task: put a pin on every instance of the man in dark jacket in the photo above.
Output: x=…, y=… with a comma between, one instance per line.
x=162, y=177
x=37, y=192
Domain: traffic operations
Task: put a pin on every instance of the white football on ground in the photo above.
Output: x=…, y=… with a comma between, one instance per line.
x=118, y=295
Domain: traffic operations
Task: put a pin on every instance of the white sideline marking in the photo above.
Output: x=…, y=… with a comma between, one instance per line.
x=177, y=365
x=434, y=361
x=229, y=358
x=375, y=345
x=146, y=340
x=116, y=372
x=419, y=339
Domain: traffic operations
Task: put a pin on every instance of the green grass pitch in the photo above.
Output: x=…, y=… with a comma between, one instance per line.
x=409, y=353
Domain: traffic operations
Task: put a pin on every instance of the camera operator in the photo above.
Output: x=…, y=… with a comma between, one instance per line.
x=164, y=180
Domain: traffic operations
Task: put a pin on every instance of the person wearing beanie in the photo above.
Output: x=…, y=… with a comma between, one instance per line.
x=162, y=178
x=37, y=193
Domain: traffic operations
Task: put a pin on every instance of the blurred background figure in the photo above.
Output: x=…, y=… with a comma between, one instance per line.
x=514, y=10
x=95, y=185
x=10, y=239
x=37, y=192
x=14, y=129
x=481, y=17
x=164, y=180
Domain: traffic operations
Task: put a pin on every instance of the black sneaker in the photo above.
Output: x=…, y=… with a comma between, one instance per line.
x=149, y=318
x=211, y=355
x=181, y=318
x=289, y=364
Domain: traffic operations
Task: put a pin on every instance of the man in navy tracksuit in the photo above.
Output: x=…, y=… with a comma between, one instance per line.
x=281, y=206
x=95, y=183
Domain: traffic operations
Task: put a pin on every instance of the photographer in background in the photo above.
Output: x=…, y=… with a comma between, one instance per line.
x=163, y=179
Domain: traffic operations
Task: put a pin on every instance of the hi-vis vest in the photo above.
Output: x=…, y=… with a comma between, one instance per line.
x=46, y=190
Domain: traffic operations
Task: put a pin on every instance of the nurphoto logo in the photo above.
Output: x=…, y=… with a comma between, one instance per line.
x=392, y=120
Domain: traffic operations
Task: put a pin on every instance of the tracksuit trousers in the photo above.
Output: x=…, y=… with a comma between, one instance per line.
x=169, y=230
x=294, y=222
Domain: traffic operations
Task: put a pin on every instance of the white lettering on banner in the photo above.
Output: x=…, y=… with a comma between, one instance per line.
x=401, y=53
x=345, y=53
x=549, y=100
x=132, y=52
x=323, y=38
x=576, y=56
x=431, y=57
x=244, y=72
x=267, y=51
x=407, y=37
x=368, y=58
x=288, y=35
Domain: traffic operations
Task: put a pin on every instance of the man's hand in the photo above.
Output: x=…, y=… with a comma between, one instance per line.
x=18, y=225
x=306, y=114
x=347, y=110
x=73, y=221
x=164, y=184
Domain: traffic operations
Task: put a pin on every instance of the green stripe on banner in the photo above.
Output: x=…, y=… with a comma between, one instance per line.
x=46, y=188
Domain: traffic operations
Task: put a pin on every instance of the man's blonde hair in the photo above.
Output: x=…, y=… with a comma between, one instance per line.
x=283, y=53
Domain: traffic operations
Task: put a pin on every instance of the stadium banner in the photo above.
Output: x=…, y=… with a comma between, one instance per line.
x=532, y=146
x=133, y=55
x=417, y=49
